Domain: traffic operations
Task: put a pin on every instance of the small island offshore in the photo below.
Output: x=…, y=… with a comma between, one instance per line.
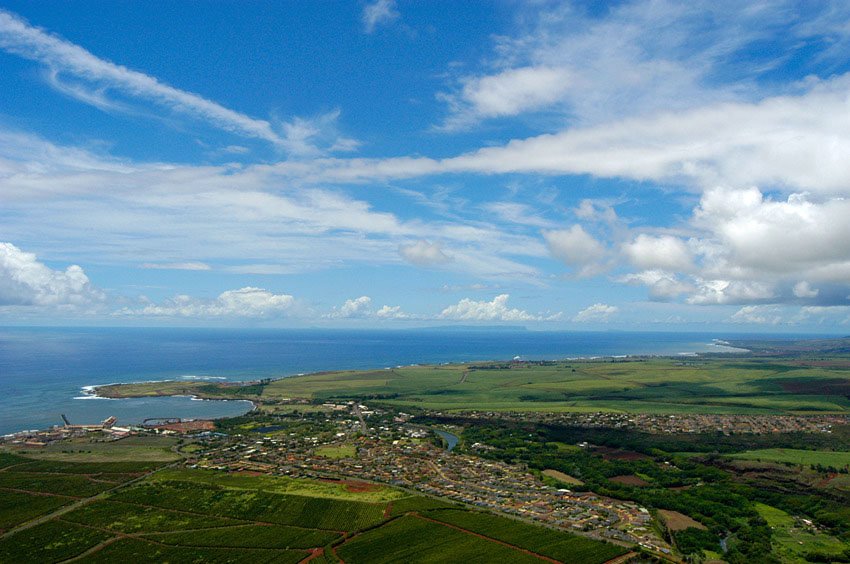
x=735, y=456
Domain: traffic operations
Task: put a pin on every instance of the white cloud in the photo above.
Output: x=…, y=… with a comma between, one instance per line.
x=361, y=308
x=423, y=253
x=662, y=285
x=794, y=141
x=576, y=248
x=664, y=253
x=643, y=56
x=356, y=307
x=496, y=310
x=379, y=12
x=244, y=302
x=316, y=136
x=508, y=93
x=761, y=315
x=719, y=292
x=598, y=312
x=24, y=281
x=63, y=57
x=176, y=266
x=802, y=289
x=391, y=312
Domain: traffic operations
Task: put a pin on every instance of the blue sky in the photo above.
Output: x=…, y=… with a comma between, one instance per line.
x=558, y=165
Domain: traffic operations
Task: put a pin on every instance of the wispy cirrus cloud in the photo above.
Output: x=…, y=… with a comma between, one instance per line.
x=377, y=13
x=76, y=72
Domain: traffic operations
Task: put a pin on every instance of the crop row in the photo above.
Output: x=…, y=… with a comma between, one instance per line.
x=283, y=509
x=554, y=544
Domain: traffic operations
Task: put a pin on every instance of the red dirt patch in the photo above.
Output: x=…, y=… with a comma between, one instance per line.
x=354, y=486
x=630, y=480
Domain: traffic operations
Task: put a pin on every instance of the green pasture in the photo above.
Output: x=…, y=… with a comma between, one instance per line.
x=792, y=540
x=276, y=484
x=797, y=456
x=663, y=385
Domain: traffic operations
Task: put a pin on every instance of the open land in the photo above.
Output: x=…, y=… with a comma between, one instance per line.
x=740, y=458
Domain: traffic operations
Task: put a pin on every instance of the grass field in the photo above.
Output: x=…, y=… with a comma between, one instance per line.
x=337, y=451
x=563, y=478
x=657, y=385
x=792, y=540
x=280, y=484
x=136, y=550
x=136, y=449
x=794, y=456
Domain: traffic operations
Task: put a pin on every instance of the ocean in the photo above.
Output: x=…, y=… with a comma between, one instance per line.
x=43, y=371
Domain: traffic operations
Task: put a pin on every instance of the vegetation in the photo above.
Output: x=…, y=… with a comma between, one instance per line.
x=283, y=509
x=53, y=541
x=412, y=539
x=554, y=544
x=251, y=536
x=137, y=550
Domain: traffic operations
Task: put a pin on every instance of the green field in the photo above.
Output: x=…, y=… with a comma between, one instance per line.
x=792, y=540
x=283, y=509
x=651, y=385
x=135, y=550
x=278, y=484
x=337, y=451
x=411, y=539
x=554, y=544
x=153, y=449
x=188, y=515
x=797, y=456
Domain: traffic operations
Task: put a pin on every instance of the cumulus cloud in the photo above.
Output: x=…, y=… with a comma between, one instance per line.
x=377, y=13
x=391, y=312
x=662, y=285
x=423, y=253
x=355, y=307
x=598, y=312
x=245, y=302
x=665, y=253
x=761, y=315
x=576, y=248
x=804, y=290
x=24, y=281
x=361, y=308
x=495, y=310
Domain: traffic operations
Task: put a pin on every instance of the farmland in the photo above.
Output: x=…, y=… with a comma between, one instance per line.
x=638, y=385
x=194, y=515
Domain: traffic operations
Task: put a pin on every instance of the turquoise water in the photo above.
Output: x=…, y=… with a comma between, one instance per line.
x=43, y=370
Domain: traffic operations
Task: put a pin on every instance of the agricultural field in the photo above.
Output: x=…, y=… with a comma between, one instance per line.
x=353, y=491
x=189, y=515
x=413, y=539
x=835, y=459
x=554, y=544
x=641, y=385
x=675, y=521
